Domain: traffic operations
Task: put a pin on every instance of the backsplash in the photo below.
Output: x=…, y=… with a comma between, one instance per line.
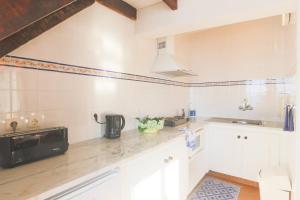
x=267, y=97
x=30, y=93
x=57, y=94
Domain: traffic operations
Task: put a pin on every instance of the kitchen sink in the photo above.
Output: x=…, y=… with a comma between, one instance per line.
x=247, y=122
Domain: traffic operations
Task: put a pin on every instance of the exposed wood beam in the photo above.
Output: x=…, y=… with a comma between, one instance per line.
x=23, y=20
x=173, y=4
x=121, y=7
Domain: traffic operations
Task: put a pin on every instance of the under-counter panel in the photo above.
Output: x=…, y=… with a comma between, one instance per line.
x=81, y=160
x=242, y=152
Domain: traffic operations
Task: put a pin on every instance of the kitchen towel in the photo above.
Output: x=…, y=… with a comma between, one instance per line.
x=289, y=118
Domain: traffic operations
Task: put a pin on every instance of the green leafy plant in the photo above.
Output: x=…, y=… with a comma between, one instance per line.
x=150, y=125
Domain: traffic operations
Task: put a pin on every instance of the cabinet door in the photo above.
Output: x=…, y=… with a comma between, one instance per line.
x=157, y=175
x=256, y=153
x=171, y=178
x=144, y=179
x=175, y=175
x=198, y=168
x=224, y=150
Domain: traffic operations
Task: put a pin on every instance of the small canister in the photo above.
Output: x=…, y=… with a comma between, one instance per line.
x=192, y=114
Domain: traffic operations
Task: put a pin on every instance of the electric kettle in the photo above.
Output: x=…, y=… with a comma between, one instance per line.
x=114, y=125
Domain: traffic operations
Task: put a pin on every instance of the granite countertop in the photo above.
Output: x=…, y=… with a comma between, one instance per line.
x=81, y=159
x=31, y=180
x=272, y=125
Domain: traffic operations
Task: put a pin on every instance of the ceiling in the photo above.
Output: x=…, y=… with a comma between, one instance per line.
x=142, y=3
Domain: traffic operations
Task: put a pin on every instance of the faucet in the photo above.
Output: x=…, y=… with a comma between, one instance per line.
x=245, y=106
x=183, y=113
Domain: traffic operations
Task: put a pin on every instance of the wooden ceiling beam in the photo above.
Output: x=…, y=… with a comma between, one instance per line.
x=173, y=4
x=21, y=21
x=121, y=7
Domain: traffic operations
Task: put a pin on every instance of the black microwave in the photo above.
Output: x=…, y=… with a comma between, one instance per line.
x=23, y=147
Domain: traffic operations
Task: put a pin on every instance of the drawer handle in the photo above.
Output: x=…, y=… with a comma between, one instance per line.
x=100, y=178
x=238, y=137
x=166, y=160
x=170, y=158
x=245, y=137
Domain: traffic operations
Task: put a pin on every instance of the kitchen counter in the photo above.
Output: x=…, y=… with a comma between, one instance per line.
x=28, y=181
x=270, y=125
x=82, y=159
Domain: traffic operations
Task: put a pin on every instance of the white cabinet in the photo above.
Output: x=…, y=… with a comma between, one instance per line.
x=197, y=168
x=161, y=174
x=241, y=152
x=254, y=153
x=198, y=165
x=224, y=150
x=108, y=190
x=106, y=186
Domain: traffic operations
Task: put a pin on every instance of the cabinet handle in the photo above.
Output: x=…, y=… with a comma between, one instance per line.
x=238, y=137
x=245, y=137
x=171, y=158
x=166, y=160
x=100, y=179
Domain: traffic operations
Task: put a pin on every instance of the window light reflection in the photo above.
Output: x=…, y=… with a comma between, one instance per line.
x=149, y=188
x=104, y=85
x=112, y=53
x=162, y=184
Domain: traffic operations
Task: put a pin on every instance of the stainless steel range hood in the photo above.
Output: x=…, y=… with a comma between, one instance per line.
x=165, y=62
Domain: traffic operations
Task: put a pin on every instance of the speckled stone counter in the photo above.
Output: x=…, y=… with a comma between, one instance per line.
x=268, y=125
x=83, y=158
x=28, y=181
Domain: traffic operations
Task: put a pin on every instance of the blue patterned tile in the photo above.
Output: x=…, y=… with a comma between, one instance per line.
x=214, y=189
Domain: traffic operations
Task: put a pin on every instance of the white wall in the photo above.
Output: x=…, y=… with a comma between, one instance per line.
x=295, y=163
x=258, y=49
x=159, y=20
x=267, y=100
x=98, y=38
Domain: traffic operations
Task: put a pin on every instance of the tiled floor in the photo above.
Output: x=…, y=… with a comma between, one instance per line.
x=247, y=192
x=211, y=188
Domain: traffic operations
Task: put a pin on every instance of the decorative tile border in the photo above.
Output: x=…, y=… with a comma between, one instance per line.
x=29, y=63
x=273, y=81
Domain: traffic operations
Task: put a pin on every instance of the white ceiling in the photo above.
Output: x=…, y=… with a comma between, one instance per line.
x=142, y=3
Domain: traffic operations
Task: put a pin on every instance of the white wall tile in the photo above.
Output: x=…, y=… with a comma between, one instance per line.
x=24, y=100
x=5, y=119
x=58, y=99
x=23, y=79
x=4, y=78
x=5, y=105
x=268, y=101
